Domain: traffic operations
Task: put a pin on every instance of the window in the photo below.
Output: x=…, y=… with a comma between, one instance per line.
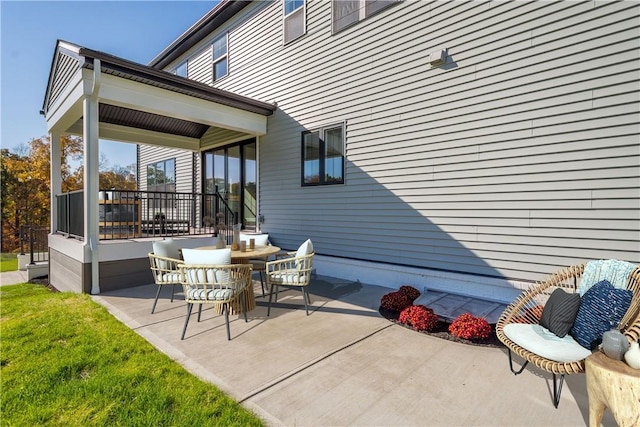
x=345, y=13
x=220, y=57
x=161, y=178
x=323, y=156
x=294, y=19
x=181, y=70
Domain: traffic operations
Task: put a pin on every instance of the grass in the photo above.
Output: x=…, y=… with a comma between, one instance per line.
x=66, y=361
x=8, y=262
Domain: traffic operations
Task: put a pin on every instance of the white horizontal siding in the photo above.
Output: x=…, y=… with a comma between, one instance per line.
x=519, y=156
x=66, y=67
x=200, y=66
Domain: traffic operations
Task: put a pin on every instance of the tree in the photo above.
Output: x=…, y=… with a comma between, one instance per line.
x=119, y=178
x=25, y=176
x=26, y=186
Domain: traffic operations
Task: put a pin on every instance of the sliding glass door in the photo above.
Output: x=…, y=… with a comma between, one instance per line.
x=233, y=169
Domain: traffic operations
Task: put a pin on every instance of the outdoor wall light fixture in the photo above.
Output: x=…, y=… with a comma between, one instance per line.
x=438, y=57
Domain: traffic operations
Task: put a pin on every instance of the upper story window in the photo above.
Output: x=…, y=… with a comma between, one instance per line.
x=181, y=70
x=323, y=156
x=295, y=24
x=220, y=57
x=345, y=13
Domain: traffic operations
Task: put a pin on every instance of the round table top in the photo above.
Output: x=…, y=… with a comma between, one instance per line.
x=257, y=252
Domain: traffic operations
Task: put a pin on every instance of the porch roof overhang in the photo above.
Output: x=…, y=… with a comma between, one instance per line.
x=141, y=104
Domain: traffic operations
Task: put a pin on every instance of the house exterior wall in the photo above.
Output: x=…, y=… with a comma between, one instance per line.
x=518, y=156
x=184, y=165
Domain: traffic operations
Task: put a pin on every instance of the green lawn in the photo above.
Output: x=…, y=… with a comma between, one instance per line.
x=8, y=262
x=66, y=361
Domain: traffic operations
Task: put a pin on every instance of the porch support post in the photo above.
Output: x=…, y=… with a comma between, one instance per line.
x=56, y=176
x=91, y=123
x=258, y=168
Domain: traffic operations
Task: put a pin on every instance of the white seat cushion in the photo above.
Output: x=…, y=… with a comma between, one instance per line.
x=545, y=343
x=169, y=277
x=285, y=277
x=211, y=294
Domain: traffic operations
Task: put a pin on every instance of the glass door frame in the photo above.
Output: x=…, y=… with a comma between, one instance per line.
x=209, y=156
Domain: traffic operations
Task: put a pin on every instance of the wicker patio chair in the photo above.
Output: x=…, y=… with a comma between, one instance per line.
x=294, y=271
x=218, y=285
x=528, y=307
x=165, y=273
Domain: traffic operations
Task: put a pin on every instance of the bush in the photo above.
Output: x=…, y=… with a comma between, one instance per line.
x=420, y=317
x=395, y=301
x=411, y=292
x=470, y=327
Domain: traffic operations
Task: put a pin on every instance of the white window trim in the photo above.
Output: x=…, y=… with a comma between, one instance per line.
x=214, y=61
x=304, y=21
x=362, y=15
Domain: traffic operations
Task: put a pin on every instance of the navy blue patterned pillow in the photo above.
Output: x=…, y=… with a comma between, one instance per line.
x=601, y=309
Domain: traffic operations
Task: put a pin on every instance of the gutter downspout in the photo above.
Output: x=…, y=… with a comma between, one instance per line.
x=91, y=175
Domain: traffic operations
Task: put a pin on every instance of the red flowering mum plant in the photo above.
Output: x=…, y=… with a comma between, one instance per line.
x=419, y=317
x=411, y=292
x=470, y=327
x=395, y=301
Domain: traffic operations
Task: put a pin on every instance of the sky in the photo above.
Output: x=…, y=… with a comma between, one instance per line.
x=29, y=30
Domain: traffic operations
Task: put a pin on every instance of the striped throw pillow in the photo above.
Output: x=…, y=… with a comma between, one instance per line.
x=560, y=312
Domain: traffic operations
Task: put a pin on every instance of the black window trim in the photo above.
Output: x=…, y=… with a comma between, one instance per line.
x=321, y=178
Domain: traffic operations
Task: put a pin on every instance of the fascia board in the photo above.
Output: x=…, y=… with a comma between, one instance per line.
x=121, y=92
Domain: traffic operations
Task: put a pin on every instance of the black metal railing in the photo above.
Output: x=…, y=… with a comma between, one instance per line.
x=126, y=214
x=35, y=240
x=70, y=213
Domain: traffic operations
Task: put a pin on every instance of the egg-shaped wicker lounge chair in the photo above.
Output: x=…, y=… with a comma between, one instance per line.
x=528, y=307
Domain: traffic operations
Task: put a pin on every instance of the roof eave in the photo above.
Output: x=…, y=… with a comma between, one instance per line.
x=114, y=63
x=222, y=12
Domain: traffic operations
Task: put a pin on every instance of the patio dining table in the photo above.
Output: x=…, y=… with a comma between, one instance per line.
x=243, y=257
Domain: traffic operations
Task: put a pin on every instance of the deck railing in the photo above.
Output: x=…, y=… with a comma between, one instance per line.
x=35, y=240
x=127, y=214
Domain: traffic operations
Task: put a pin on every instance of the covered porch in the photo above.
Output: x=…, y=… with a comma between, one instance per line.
x=100, y=96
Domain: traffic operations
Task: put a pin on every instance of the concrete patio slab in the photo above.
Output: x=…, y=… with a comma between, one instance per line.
x=344, y=364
